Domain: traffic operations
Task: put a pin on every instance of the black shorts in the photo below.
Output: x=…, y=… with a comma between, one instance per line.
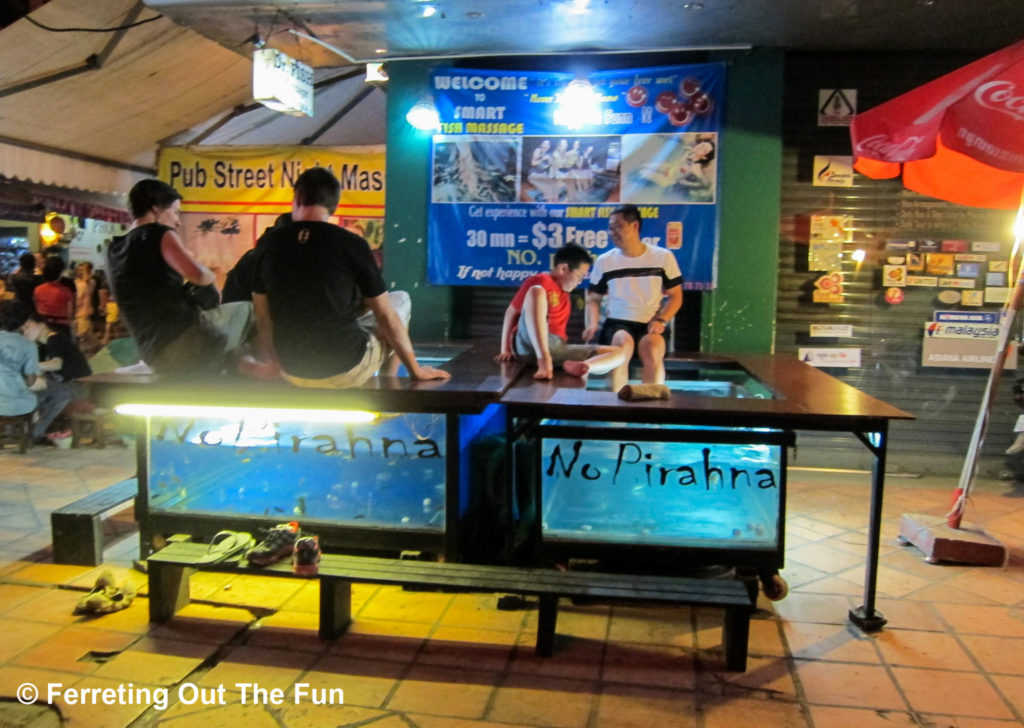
x=634, y=328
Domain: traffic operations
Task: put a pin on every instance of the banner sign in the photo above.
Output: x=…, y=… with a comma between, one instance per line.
x=528, y=161
x=231, y=195
x=260, y=179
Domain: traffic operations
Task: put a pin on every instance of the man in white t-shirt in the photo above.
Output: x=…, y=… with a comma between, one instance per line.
x=643, y=286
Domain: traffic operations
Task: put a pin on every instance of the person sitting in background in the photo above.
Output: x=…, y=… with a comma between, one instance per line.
x=54, y=300
x=19, y=362
x=24, y=280
x=238, y=282
x=535, y=321
x=61, y=363
x=148, y=268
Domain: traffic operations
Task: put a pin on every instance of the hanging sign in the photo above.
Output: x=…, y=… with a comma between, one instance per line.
x=528, y=161
x=282, y=83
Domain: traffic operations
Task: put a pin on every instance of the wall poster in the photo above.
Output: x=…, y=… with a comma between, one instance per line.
x=515, y=175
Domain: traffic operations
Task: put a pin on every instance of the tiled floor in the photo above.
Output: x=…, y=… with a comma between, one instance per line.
x=952, y=654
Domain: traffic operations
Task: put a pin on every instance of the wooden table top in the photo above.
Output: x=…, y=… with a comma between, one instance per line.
x=803, y=397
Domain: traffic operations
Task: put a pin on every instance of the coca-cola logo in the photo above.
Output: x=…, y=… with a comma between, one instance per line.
x=882, y=146
x=1000, y=96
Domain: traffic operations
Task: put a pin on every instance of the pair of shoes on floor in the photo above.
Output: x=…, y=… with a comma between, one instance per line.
x=284, y=540
x=106, y=596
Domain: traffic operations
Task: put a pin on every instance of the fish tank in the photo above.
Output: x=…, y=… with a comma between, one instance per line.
x=702, y=378
x=386, y=472
x=717, y=494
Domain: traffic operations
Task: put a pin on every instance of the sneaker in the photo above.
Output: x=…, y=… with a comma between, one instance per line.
x=306, y=558
x=278, y=543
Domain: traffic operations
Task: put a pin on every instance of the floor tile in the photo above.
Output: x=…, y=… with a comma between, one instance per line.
x=950, y=693
x=831, y=642
x=634, y=706
x=365, y=682
x=922, y=649
x=75, y=649
x=996, y=654
x=554, y=702
x=732, y=712
x=991, y=620
x=861, y=686
x=825, y=716
x=443, y=691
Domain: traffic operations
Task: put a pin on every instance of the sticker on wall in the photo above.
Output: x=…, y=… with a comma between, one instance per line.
x=894, y=275
x=929, y=281
x=832, y=171
x=970, y=258
x=845, y=357
x=996, y=295
x=972, y=298
x=999, y=266
x=986, y=247
x=836, y=106
x=954, y=246
x=956, y=283
x=966, y=317
x=827, y=235
x=996, y=279
x=829, y=288
x=938, y=264
x=915, y=262
x=894, y=295
x=928, y=246
x=968, y=270
x=834, y=331
x=950, y=297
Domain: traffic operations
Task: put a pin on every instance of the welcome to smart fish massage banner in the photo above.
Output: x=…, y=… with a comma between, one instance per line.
x=516, y=172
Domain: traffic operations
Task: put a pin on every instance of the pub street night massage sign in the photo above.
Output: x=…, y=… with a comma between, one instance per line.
x=528, y=161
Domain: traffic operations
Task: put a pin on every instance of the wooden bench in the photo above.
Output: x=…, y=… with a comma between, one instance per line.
x=77, y=528
x=170, y=569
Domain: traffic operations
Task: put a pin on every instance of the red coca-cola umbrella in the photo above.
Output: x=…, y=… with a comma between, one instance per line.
x=959, y=138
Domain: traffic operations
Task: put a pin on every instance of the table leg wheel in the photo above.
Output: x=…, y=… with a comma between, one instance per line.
x=775, y=587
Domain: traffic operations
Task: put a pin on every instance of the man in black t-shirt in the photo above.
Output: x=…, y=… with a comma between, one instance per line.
x=61, y=363
x=323, y=314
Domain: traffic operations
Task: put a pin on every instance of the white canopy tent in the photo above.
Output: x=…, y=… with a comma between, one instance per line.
x=89, y=110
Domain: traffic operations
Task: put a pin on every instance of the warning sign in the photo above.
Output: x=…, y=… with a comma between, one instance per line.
x=836, y=106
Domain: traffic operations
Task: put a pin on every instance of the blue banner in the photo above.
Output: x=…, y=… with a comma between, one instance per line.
x=528, y=161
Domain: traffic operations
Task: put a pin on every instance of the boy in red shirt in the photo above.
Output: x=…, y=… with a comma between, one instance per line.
x=534, y=326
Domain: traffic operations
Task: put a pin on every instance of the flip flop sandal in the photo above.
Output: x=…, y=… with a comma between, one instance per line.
x=104, y=587
x=106, y=603
x=227, y=546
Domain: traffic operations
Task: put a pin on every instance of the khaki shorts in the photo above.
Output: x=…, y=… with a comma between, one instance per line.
x=561, y=351
x=374, y=357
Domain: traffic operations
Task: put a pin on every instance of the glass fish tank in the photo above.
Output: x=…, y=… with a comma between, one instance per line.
x=387, y=472
x=702, y=378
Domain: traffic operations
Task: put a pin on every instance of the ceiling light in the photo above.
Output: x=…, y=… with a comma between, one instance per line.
x=579, y=7
x=695, y=5
x=428, y=10
x=423, y=116
x=578, y=105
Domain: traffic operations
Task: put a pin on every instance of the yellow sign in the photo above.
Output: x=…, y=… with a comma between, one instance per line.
x=260, y=179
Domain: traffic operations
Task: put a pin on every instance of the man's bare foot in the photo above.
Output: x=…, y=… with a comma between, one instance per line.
x=576, y=368
x=544, y=374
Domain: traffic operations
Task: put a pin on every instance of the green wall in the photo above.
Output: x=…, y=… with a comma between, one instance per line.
x=738, y=316
x=406, y=199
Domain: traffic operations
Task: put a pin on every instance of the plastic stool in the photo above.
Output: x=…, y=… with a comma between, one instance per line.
x=92, y=425
x=16, y=428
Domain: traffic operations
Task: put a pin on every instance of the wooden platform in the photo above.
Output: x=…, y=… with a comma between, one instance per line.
x=965, y=545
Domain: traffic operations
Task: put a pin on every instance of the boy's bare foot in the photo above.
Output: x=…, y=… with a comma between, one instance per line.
x=543, y=373
x=576, y=368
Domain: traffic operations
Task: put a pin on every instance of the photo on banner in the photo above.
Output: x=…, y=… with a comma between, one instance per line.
x=518, y=168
